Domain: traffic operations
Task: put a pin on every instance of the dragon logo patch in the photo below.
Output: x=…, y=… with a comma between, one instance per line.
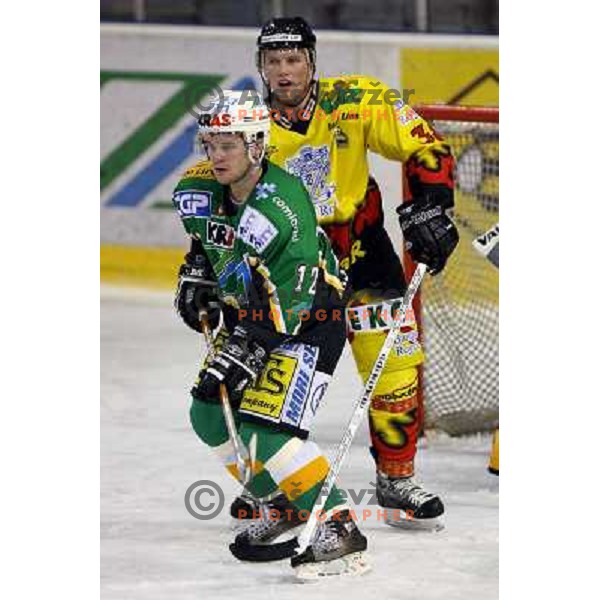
x=312, y=166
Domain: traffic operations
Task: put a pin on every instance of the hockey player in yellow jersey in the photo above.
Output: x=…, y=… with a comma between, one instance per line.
x=321, y=131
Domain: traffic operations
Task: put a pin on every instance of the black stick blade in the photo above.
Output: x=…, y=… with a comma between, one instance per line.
x=264, y=553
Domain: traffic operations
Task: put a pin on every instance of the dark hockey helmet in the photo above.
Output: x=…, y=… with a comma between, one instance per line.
x=281, y=33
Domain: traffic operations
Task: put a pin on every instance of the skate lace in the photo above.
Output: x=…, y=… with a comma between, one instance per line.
x=251, y=500
x=327, y=537
x=407, y=489
x=266, y=521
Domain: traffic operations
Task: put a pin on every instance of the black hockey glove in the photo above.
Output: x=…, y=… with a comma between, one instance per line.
x=197, y=289
x=429, y=233
x=238, y=364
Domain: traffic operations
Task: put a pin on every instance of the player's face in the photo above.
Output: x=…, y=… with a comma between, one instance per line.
x=229, y=156
x=288, y=74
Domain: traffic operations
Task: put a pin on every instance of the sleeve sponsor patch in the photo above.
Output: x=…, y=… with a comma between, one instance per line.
x=256, y=230
x=192, y=203
x=404, y=113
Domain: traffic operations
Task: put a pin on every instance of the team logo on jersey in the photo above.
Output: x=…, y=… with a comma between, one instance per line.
x=264, y=189
x=256, y=230
x=234, y=279
x=220, y=235
x=312, y=166
x=192, y=203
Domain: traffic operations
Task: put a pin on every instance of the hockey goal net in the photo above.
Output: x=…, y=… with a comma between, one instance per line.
x=458, y=309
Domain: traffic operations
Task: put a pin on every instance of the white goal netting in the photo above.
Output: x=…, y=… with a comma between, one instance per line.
x=460, y=305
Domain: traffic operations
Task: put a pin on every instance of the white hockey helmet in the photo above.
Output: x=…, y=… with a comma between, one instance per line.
x=243, y=112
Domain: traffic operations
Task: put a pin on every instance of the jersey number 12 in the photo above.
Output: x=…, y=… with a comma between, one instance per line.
x=301, y=270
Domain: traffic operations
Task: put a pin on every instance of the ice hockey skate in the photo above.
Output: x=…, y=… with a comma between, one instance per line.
x=269, y=521
x=408, y=505
x=244, y=506
x=338, y=549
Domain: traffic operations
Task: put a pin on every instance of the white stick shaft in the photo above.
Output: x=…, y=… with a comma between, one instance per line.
x=360, y=408
x=238, y=446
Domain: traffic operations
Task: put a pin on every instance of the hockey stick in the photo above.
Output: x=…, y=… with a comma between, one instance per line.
x=287, y=549
x=485, y=242
x=241, y=454
x=488, y=244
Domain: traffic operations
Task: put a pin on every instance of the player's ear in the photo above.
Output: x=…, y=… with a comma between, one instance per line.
x=255, y=149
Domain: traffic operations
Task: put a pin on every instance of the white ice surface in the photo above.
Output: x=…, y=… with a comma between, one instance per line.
x=152, y=548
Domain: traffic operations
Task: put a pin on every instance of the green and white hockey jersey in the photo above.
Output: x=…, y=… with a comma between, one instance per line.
x=274, y=234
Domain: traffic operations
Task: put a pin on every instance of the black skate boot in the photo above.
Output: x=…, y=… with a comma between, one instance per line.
x=338, y=548
x=267, y=523
x=408, y=505
x=243, y=506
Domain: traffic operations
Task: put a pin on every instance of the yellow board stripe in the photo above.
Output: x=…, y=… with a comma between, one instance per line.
x=150, y=267
x=304, y=479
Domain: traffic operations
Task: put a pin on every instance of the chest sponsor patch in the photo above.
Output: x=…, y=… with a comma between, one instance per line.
x=220, y=235
x=291, y=216
x=192, y=203
x=256, y=230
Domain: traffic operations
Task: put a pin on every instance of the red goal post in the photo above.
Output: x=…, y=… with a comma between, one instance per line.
x=470, y=114
x=457, y=310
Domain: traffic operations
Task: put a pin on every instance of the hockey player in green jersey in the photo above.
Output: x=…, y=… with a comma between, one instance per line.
x=268, y=278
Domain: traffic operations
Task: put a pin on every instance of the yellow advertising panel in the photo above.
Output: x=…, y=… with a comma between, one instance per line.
x=467, y=76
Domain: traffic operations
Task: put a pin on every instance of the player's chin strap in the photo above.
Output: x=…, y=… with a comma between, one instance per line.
x=296, y=546
x=244, y=461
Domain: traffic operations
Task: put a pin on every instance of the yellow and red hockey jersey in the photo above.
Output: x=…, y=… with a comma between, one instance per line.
x=348, y=116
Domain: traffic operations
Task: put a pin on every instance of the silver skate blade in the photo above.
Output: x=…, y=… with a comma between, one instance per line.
x=351, y=565
x=398, y=519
